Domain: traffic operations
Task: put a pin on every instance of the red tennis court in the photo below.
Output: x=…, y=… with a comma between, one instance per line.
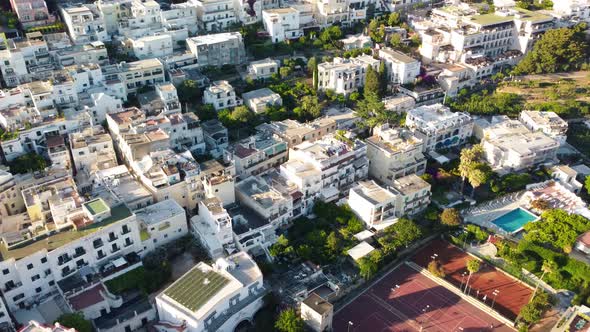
x=512, y=294
x=405, y=300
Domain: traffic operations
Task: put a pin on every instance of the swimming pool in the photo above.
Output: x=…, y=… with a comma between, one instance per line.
x=514, y=220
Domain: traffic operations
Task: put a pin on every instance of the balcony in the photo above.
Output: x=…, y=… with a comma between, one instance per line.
x=12, y=286
x=79, y=253
x=113, y=238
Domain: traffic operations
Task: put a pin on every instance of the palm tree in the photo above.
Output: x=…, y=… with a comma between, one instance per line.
x=468, y=162
x=472, y=266
x=547, y=267
x=477, y=177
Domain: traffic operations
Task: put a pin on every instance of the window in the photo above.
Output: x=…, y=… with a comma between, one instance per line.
x=47, y=272
x=18, y=297
x=38, y=289
x=35, y=277
x=43, y=260
x=51, y=283
x=5, y=271
x=30, y=266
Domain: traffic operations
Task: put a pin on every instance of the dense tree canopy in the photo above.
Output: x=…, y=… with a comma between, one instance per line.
x=289, y=321
x=75, y=321
x=556, y=228
x=188, y=92
x=450, y=217
x=557, y=50
x=30, y=162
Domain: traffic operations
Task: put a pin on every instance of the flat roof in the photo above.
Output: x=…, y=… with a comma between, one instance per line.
x=62, y=238
x=160, y=211
x=196, y=287
x=96, y=206
x=360, y=250
x=318, y=304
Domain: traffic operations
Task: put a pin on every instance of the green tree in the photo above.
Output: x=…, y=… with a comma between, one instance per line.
x=75, y=321
x=372, y=84
x=309, y=108
x=188, y=92
x=281, y=247
x=479, y=174
x=285, y=71
x=30, y=162
x=436, y=269
x=367, y=267
x=473, y=267
x=206, y=112
x=289, y=321
x=450, y=217
x=276, y=113
x=330, y=35
x=242, y=114
x=312, y=65
x=587, y=184
x=394, y=19
x=333, y=244
x=557, y=50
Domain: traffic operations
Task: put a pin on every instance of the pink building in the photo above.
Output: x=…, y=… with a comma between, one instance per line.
x=32, y=12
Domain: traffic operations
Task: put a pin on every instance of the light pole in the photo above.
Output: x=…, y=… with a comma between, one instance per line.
x=495, y=293
x=427, y=318
x=349, y=325
x=462, y=281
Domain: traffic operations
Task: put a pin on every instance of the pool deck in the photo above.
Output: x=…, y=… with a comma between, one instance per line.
x=483, y=214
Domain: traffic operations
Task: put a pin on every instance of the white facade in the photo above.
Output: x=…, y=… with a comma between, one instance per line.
x=401, y=69
x=85, y=23
x=317, y=313
x=394, y=153
x=217, y=49
x=161, y=223
x=413, y=194
x=263, y=68
x=259, y=100
x=438, y=127
x=373, y=204
x=546, y=122
x=215, y=15
x=345, y=76
x=282, y=24
x=156, y=46
x=325, y=168
x=221, y=296
x=257, y=154
x=221, y=95
x=92, y=149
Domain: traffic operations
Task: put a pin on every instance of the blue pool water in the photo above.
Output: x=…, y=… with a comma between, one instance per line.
x=514, y=220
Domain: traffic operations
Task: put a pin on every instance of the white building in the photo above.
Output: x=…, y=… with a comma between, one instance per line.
x=356, y=41
x=24, y=60
x=248, y=12
x=394, y=153
x=84, y=22
x=221, y=95
x=217, y=49
x=546, y=122
x=438, y=127
x=572, y=10
x=257, y=154
x=317, y=313
x=259, y=100
x=181, y=15
x=567, y=177
x=282, y=24
x=215, y=15
x=374, y=205
x=156, y=46
x=95, y=234
x=520, y=151
x=400, y=68
x=216, y=137
x=161, y=223
x=326, y=168
x=345, y=76
x=92, y=149
x=214, y=298
x=213, y=227
x=413, y=194
x=263, y=68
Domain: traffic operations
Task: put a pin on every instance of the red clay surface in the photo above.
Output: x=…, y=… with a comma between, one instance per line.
x=386, y=307
x=512, y=295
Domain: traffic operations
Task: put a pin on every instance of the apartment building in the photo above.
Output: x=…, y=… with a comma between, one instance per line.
x=135, y=18
x=217, y=49
x=413, y=194
x=270, y=204
x=221, y=95
x=374, y=205
x=84, y=22
x=282, y=24
x=352, y=42
x=91, y=53
x=510, y=147
x=117, y=183
x=155, y=46
x=345, y=76
x=94, y=234
x=163, y=98
x=25, y=59
x=216, y=137
x=326, y=168
x=161, y=223
x=263, y=69
x=214, y=298
x=394, y=153
x=572, y=10
x=328, y=12
x=259, y=100
x=438, y=127
x=295, y=133
x=547, y=122
x=141, y=73
x=401, y=69
x=248, y=12
x=317, y=313
x=92, y=149
x=215, y=15
x=181, y=15
x=213, y=227
x=31, y=13
x=257, y=154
